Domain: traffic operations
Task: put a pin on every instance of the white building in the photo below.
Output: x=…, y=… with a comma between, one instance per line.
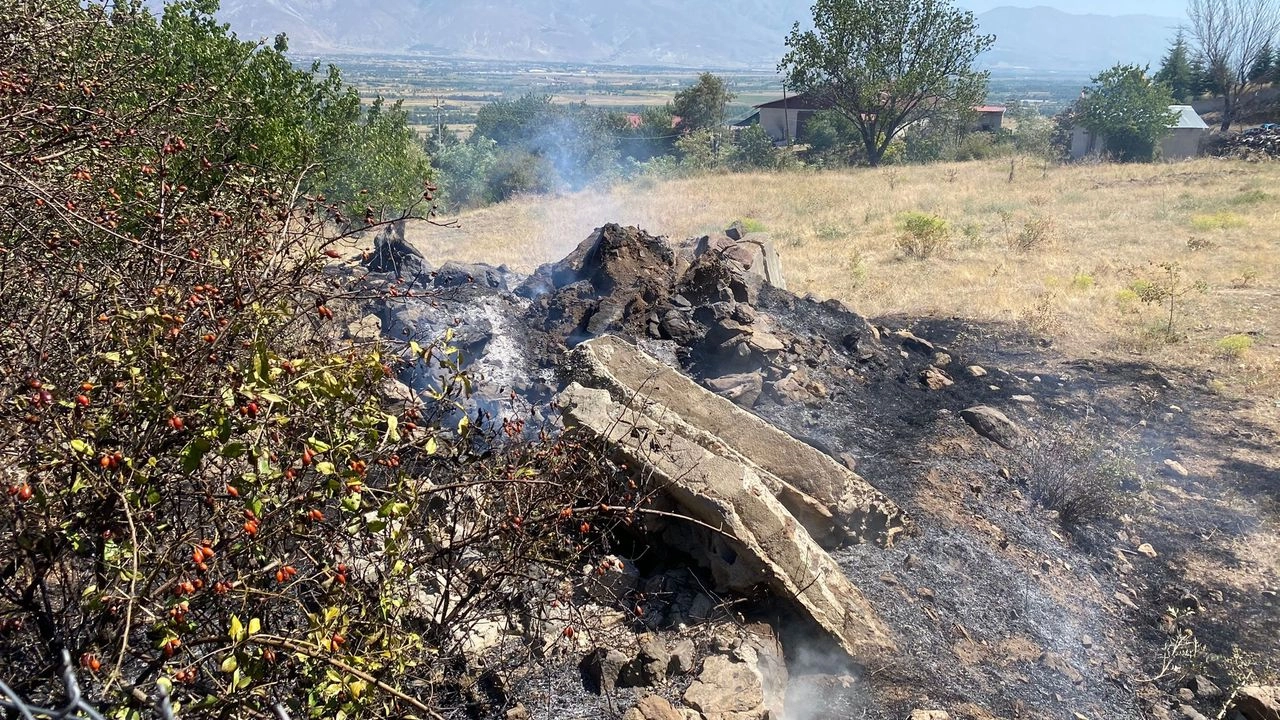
x=1185, y=138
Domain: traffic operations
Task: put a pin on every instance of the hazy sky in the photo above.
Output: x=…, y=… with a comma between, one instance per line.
x=1168, y=8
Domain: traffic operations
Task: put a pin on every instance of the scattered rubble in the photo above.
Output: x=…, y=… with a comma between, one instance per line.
x=1259, y=142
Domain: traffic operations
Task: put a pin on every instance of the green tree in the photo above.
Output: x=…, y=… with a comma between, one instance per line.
x=1264, y=65
x=753, y=149
x=831, y=138
x=886, y=65
x=701, y=106
x=701, y=149
x=1176, y=70
x=1129, y=109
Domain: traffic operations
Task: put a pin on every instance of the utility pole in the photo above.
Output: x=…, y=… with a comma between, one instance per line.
x=786, y=116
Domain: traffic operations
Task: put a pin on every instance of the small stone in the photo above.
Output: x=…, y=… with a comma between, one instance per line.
x=1125, y=601
x=930, y=715
x=1176, y=468
x=925, y=594
x=941, y=359
x=1185, y=695
x=601, y=669
x=519, y=712
x=1023, y=399
x=683, y=657
x=976, y=371
x=765, y=343
x=1204, y=688
x=1086, y=641
x=935, y=379
x=653, y=707
x=1147, y=550
x=993, y=425
x=1190, y=713
x=653, y=660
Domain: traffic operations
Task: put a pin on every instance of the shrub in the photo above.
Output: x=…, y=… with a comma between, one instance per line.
x=1077, y=474
x=1082, y=281
x=923, y=235
x=1251, y=197
x=1217, y=221
x=1036, y=232
x=1234, y=347
x=206, y=489
x=753, y=149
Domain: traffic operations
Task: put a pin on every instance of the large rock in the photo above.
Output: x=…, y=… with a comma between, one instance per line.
x=833, y=503
x=747, y=682
x=1258, y=702
x=993, y=425
x=727, y=690
x=746, y=537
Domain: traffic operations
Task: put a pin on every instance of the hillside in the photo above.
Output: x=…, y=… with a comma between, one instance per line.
x=702, y=34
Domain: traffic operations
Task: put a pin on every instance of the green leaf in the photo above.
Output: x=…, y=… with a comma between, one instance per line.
x=318, y=445
x=230, y=664
x=431, y=446
x=237, y=629
x=271, y=397
x=193, y=453
x=325, y=468
x=81, y=447
x=233, y=450
x=255, y=626
x=393, y=433
x=261, y=364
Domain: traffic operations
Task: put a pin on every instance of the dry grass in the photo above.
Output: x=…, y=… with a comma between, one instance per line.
x=1055, y=251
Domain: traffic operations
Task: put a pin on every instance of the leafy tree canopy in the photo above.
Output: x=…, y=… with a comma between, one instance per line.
x=701, y=106
x=885, y=65
x=1129, y=109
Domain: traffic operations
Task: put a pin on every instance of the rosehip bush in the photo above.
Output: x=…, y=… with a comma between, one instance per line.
x=205, y=489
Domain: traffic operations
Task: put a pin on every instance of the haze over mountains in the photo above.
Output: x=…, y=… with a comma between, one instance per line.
x=688, y=33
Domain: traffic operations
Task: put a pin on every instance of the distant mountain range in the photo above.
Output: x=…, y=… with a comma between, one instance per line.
x=685, y=33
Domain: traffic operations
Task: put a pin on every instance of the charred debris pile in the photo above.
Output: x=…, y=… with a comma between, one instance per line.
x=772, y=579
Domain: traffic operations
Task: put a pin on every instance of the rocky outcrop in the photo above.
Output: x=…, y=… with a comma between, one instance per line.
x=833, y=503
x=747, y=537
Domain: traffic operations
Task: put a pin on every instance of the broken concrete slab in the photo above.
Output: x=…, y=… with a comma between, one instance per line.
x=747, y=537
x=798, y=474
